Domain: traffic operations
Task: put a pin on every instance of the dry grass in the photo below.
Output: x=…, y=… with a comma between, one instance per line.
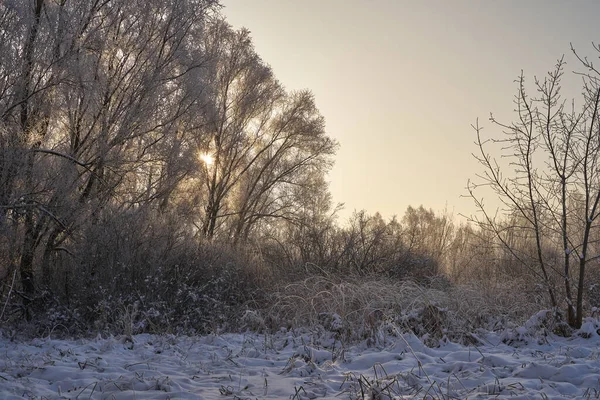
x=359, y=307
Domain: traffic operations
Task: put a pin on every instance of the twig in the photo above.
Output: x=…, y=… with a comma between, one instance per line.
x=148, y=361
x=9, y=293
x=86, y=387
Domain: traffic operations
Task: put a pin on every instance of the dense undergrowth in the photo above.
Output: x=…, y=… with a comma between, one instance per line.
x=230, y=292
x=118, y=283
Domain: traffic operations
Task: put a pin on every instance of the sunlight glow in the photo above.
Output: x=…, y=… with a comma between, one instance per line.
x=207, y=158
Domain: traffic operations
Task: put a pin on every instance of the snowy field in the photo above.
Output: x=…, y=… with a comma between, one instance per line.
x=293, y=365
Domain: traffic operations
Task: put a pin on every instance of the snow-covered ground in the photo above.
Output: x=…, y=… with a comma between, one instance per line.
x=297, y=365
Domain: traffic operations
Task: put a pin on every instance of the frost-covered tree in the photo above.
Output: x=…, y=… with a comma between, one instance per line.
x=131, y=129
x=262, y=140
x=98, y=103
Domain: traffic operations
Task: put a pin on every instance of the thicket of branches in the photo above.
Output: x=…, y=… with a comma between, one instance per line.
x=155, y=175
x=550, y=188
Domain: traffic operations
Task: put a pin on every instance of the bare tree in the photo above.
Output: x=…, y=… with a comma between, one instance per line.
x=427, y=234
x=554, y=189
x=245, y=96
x=263, y=141
x=298, y=151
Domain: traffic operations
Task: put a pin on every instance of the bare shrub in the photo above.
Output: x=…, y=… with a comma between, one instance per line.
x=135, y=272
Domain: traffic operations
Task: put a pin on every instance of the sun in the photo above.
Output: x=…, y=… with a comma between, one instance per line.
x=207, y=158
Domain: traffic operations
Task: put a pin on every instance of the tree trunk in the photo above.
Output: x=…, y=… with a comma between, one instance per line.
x=210, y=223
x=47, y=257
x=567, y=259
x=26, y=264
x=580, y=289
x=29, y=241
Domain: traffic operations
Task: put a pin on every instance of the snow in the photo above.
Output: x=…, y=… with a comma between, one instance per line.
x=302, y=365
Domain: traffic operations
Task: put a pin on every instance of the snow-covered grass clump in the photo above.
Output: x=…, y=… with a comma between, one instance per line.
x=370, y=308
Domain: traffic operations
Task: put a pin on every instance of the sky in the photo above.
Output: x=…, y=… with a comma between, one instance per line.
x=400, y=82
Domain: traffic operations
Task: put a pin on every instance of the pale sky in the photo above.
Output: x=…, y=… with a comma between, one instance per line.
x=400, y=82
